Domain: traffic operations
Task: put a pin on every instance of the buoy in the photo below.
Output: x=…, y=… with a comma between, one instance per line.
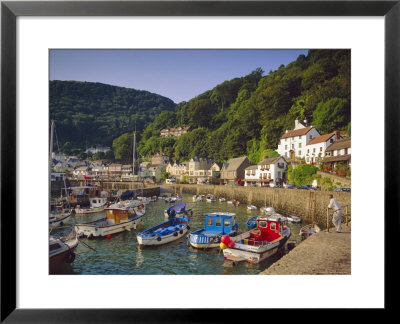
x=180, y=232
x=158, y=238
x=108, y=237
x=222, y=246
x=61, y=223
x=225, y=239
x=231, y=244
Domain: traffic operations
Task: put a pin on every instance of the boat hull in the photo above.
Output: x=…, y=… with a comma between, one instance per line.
x=57, y=261
x=101, y=228
x=254, y=254
x=153, y=241
x=89, y=210
x=60, y=221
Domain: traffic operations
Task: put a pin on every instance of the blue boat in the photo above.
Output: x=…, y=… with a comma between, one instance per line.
x=177, y=210
x=216, y=225
x=252, y=222
x=163, y=233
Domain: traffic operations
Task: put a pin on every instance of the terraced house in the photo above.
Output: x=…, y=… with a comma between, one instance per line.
x=233, y=171
x=269, y=172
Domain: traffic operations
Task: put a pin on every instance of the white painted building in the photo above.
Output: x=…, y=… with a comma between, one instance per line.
x=293, y=143
x=177, y=170
x=269, y=172
x=316, y=148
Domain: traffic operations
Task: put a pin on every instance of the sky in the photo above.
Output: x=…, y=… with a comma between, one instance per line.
x=176, y=74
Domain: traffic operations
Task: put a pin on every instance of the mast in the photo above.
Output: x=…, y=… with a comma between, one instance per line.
x=50, y=160
x=133, y=162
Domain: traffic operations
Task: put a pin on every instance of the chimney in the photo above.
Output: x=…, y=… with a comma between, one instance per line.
x=296, y=124
x=337, y=135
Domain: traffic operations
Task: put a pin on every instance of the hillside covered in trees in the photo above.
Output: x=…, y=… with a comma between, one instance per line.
x=248, y=115
x=87, y=113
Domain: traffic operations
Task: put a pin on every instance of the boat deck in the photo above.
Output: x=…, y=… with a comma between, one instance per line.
x=321, y=253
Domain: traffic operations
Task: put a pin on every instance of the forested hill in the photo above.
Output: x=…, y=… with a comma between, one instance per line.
x=88, y=113
x=248, y=115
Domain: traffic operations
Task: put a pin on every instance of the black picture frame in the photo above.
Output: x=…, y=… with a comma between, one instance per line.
x=10, y=10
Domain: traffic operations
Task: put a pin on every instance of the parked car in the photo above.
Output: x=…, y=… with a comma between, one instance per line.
x=342, y=189
x=305, y=187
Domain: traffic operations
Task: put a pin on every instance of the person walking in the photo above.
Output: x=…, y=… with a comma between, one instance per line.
x=337, y=213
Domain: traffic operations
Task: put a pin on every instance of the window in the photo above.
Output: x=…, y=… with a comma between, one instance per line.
x=331, y=140
x=313, y=150
x=262, y=224
x=299, y=137
x=308, y=151
x=285, y=147
x=299, y=145
x=320, y=149
x=218, y=222
x=272, y=226
x=227, y=222
x=209, y=222
x=292, y=146
x=299, y=153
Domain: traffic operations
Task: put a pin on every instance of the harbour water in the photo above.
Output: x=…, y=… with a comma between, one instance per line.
x=121, y=253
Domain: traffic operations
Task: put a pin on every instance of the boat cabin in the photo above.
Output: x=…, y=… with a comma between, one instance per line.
x=220, y=223
x=83, y=193
x=97, y=201
x=118, y=215
x=268, y=229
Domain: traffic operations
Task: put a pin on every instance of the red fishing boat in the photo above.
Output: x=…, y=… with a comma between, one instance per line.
x=258, y=244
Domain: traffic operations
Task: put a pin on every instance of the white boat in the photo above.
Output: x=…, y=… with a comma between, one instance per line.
x=294, y=219
x=61, y=250
x=145, y=200
x=222, y=199
x=59, y=217
x=119, y=218
x=308, y=230
x=258, y=244
x=210, y=198
x=198, y=198
x=163, y=233
x=97, y=204
x=251, y=207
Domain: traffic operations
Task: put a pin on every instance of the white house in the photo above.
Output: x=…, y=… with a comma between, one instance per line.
x=269, y=172
x=199, y=168
x=339, y=152
x=293, y=143
x=178, y=170
x=316, y=148
x=97, y=149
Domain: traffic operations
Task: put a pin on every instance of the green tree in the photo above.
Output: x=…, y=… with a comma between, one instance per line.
x=330, y=115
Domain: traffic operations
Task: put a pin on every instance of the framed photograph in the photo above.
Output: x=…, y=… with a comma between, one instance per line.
x=35, y=34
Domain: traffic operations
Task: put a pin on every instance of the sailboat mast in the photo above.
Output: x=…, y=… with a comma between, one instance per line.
x=50, y=160
x=133, y=161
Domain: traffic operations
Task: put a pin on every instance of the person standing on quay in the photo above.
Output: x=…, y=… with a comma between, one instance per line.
x=337, y=213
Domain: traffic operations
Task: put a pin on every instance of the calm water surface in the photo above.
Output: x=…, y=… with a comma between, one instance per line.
x=122, y=255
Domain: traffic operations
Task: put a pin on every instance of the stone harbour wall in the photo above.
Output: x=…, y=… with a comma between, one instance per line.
x=294, y=202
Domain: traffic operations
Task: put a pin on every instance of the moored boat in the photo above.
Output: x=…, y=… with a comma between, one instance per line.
x=164, y=233
x=61, y=251
x=210, y=198
x=309, y=230
x=177, y=210
x=293, y=219
x=97, y=204
x=59, y=216
x=216, y=225
x=222, y=199
x=198, y=198
x=251, y=207
x=258, y=244
x=119, y=218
